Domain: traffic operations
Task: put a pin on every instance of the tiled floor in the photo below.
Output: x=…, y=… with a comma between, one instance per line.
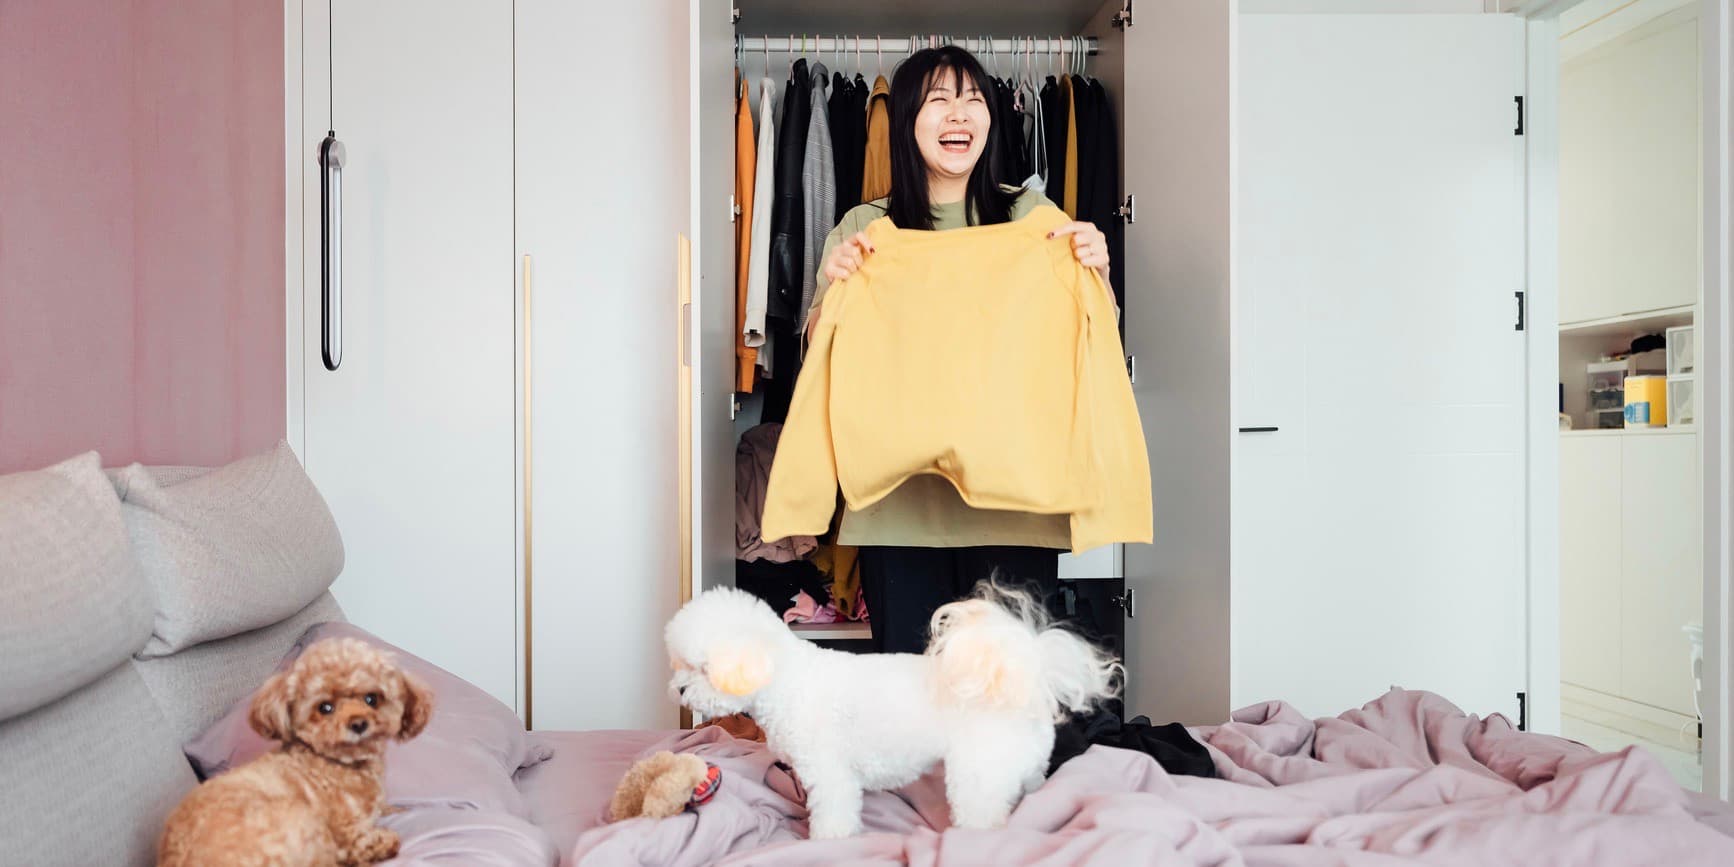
x=1678, y=756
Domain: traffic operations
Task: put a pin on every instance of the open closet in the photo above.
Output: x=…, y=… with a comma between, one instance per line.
x=1309, y=386
x=1057, y=133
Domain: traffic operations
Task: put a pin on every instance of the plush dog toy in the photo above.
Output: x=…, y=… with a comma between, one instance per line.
x=663, y=784
x=984, y=699
x=315, y=799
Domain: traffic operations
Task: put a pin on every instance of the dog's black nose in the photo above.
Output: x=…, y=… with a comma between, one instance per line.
x=358, y=726
x=683, y=690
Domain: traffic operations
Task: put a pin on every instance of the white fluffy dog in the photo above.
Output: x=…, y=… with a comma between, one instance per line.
x=984, y=699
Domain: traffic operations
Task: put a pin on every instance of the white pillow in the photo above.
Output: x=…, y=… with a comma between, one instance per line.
x=235, y=549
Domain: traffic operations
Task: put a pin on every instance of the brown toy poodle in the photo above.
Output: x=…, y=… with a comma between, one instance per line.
x=314, y=800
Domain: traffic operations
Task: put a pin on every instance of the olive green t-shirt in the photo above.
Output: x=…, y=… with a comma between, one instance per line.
x=926, y=511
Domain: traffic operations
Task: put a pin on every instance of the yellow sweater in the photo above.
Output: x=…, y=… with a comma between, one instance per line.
x=947, y=354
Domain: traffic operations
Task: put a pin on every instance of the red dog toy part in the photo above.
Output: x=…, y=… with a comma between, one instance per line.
x=706, y=790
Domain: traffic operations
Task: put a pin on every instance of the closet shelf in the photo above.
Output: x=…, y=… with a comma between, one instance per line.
x=1630, y=323
x=847, y=631
x=1680, y=430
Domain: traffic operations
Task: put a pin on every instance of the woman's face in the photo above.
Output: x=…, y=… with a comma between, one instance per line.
x=951, y=129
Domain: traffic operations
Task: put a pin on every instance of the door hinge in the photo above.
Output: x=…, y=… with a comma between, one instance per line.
x=734, y=405
x=1523, y=711
x=1519, y=130
x=1123, y=18
x=734, y=209
x=1132, y=368
x=1128, y=602
x=1128, y=211
x=1520, y=309
x=734, y=14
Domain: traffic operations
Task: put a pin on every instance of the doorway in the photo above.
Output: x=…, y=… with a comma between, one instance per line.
x=1630, y=300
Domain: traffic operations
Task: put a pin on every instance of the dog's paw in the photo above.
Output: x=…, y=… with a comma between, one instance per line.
x=377, y=844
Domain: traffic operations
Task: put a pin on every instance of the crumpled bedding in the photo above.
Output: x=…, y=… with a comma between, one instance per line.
x=1406, y=779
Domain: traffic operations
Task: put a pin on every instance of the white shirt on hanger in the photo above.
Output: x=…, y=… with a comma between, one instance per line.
x=759, y=243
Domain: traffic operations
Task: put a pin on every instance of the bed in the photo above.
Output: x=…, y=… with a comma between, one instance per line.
x=1406, y=779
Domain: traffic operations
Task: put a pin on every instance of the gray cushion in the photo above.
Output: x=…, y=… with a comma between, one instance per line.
x=90, y=778
x=232, y=550
x=72, y=605
x=197, y=685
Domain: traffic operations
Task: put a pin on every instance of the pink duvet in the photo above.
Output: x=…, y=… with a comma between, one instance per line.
x=1406, y=779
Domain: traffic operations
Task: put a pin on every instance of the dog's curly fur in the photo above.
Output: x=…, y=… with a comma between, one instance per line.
x=983, y=699
x=315, y=799
x=659, y=785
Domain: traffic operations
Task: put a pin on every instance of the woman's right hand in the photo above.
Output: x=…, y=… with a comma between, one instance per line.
x=846, y=258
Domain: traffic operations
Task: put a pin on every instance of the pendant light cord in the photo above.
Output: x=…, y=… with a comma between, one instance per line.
x=331, y=59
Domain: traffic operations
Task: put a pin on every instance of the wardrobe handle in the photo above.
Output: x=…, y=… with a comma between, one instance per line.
x=331, y=158
x=1258, y=430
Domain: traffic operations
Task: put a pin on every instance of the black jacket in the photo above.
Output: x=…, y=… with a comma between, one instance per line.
x=787, y=213
x=1099, y=191
x=1054, y=107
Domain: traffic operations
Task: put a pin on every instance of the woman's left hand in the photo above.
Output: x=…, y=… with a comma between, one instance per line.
x=1088, y=244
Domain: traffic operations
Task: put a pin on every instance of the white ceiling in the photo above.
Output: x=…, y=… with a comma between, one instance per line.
x=903, y=17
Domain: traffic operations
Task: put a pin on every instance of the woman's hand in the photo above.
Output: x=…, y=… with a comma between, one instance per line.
x=847, y=257
x=1088, y=244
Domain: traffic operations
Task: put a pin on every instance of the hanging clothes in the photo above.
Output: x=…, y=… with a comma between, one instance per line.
x=754, y=455
x=1083, y=143
x=759, y=253
x=1055, y=108
x=1069, y=194
x=1014, y=162
x=746, y=182
x=1035, y=140
x=788, y=220
x=788, y=231
x=876, y=168
x=1043, y=356
x=848, y=140
x=818, y=192
x=1102, y=191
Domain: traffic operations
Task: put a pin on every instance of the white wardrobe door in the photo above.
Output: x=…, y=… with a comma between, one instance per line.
x=602, y=192
x=1377, y=529
x=411, y=440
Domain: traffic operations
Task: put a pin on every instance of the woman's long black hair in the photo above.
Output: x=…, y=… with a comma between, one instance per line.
x=910, y=206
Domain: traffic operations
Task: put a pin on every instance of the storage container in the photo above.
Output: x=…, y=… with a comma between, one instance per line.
x=1680, y=404
x=1682, y=350
x=1646, y=401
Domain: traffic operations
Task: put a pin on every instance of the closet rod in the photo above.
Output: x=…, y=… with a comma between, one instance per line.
x=906, y=45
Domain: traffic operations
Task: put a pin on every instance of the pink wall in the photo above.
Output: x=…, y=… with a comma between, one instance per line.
x=141, y=230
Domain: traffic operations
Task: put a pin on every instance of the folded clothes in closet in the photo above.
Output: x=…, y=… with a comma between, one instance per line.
x=985, y=355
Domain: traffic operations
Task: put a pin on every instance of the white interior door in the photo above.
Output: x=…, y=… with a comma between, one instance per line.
x=412, y=439
x=1378, y=526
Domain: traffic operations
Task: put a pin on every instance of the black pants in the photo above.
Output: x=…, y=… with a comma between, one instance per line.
x=904, y=586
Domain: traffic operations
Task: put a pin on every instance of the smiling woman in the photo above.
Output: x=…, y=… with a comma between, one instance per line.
x=922, y=546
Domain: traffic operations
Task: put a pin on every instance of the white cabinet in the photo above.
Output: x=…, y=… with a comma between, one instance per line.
x=1630, y=580
x=1661, y=585
x=1590, y=561
x=490, y=157
x=1629, y=174
x=411, y=439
